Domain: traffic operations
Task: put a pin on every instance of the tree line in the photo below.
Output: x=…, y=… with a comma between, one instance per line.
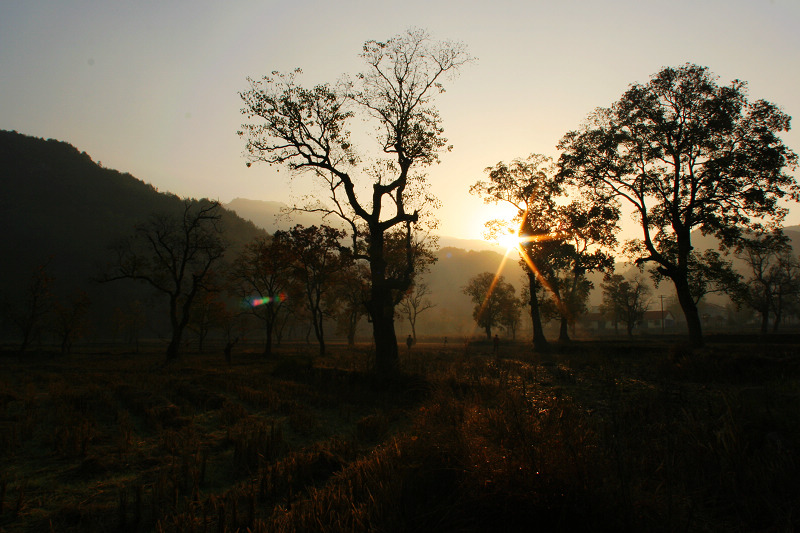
x=684, y=152
x=304, y=275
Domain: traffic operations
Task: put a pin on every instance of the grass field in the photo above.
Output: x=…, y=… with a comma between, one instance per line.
x=594, y=436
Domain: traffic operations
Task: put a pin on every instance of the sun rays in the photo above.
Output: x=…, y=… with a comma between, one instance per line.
x=514, y=239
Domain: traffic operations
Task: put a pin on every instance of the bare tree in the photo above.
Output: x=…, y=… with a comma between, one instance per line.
x=29, y=315
x=415, y=302
x=174, y=254
x=71, y=320
x=308, y=130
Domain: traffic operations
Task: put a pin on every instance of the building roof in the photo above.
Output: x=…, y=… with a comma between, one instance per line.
x=656, y=315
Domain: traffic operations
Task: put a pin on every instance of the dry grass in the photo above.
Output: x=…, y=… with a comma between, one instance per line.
x=596, y=437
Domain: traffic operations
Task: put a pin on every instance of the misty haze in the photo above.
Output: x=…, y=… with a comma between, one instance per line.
x=326, y=267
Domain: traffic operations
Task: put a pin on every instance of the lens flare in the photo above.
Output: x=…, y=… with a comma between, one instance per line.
x=257, y=301
x=514, y=240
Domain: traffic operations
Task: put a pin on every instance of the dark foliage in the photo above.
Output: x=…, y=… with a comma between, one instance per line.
x=60, y=208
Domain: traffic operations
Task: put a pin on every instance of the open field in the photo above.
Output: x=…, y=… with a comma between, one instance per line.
x=594, y=436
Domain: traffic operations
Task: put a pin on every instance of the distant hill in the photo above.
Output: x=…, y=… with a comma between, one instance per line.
x=59, y=207
x=458, y=261
x=453, y=270
x=273, y=216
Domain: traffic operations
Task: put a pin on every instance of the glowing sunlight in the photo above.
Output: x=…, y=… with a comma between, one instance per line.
x=509, y=241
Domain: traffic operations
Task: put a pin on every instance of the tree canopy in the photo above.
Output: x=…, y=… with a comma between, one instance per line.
x=311, y=130
x=687, y=154
x=494, y=300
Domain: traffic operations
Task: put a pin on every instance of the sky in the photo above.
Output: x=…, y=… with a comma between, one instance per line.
x=152, y=87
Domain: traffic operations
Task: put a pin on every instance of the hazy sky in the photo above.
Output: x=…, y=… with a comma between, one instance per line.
x=151, y=87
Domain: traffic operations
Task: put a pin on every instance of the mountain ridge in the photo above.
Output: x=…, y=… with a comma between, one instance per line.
x=62, y=210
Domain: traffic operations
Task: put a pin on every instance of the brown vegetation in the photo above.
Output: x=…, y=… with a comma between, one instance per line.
x=615, y=437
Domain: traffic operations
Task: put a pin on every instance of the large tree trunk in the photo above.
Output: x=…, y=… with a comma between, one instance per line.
x=174, y=346
x=539, y=340
x=319, y=332
x=563, y=333
x=382, y=313
x=689, y=311
x=764, y=319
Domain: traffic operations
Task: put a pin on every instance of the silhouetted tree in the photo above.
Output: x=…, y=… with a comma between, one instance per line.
x=771, y=266
x=531, y=186
x=317, y=263
x=29, y=315
x=787, y=293
x=586, y=230
x=625, y=300
x=71, y=320
x=709, y=273
x=174, y=254
x=208, y=313
x=510, y=313
x=492, y=295
x=567, y=300
x=352, y=292
x=129, y=322
x=262, y=277
x=309, y=130
x=415, y=302
x=687, y=154
x=558, y=242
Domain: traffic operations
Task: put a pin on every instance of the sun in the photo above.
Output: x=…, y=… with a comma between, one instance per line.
x=508, y=240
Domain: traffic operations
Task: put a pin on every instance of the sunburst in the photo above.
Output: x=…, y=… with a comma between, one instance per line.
x=513, y=240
